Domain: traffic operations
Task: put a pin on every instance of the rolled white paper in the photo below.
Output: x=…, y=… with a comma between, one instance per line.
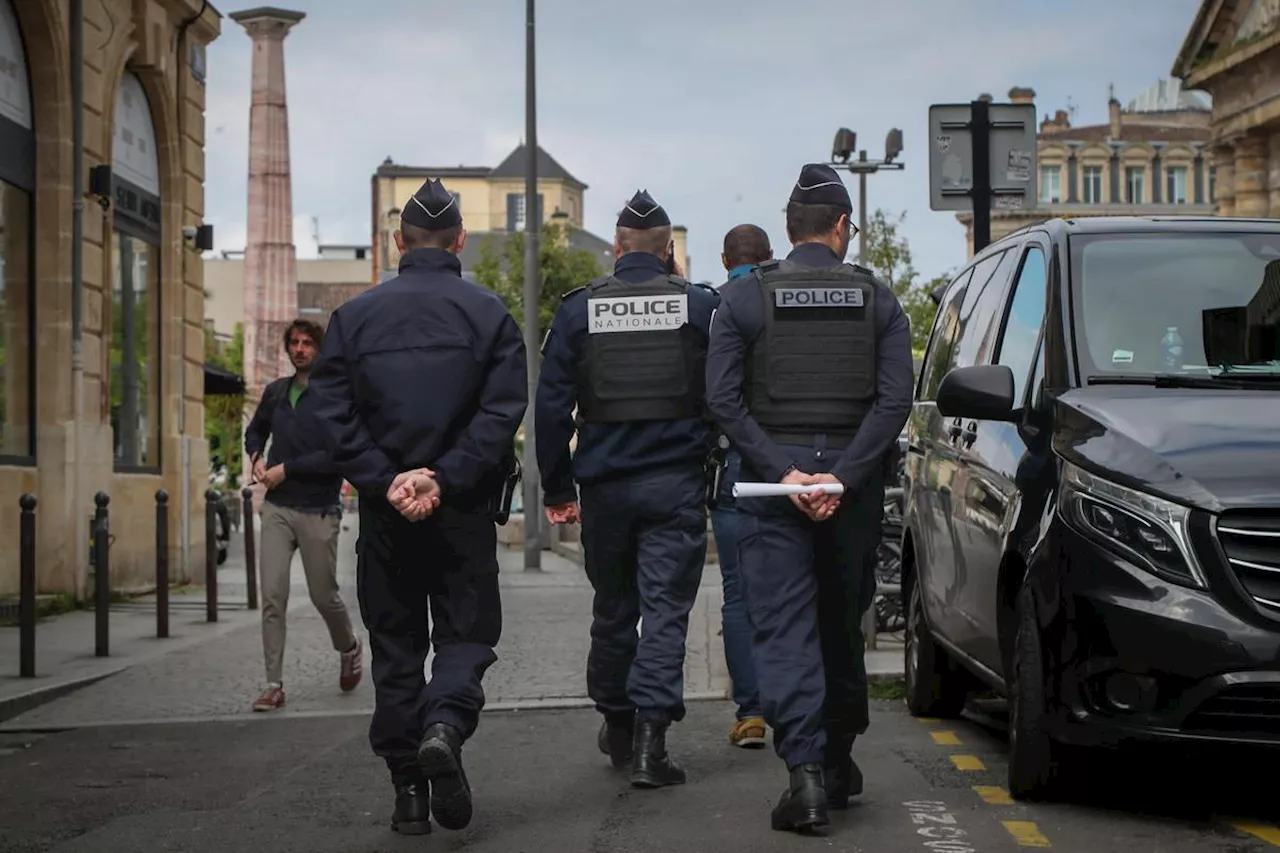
x=770, y=490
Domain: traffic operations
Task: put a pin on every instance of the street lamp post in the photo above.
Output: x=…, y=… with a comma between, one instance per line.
x=532, y=294
x=846, y=142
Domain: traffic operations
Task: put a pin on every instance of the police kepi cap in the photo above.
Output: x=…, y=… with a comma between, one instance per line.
x=432, y=207
x=819, y=184
x=642, y=212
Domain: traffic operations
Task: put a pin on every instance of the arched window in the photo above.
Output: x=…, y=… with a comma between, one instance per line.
x=17, y=254
x=135, y=295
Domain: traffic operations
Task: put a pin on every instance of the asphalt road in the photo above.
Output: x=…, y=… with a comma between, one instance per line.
x=310, y=784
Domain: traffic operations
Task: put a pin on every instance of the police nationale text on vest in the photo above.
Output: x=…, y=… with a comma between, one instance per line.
x=637, y=313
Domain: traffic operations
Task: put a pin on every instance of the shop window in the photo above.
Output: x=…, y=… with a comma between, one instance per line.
x=135, y=353
x=17, y=326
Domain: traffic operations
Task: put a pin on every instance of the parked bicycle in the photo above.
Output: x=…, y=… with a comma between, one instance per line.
x=890, y=616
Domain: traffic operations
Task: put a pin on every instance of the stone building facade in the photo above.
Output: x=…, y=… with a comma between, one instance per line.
x=324, y=282
x=1151, y=157
x=131, y=422
x=1233, y=51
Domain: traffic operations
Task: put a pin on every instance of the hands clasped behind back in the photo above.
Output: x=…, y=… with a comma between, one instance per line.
x=415, y=494
x=819, y=506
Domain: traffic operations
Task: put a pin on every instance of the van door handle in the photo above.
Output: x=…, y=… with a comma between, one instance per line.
x=953, y=431
x=970, y=434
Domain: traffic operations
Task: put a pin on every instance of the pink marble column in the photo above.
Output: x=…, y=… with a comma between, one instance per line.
x=270, y=263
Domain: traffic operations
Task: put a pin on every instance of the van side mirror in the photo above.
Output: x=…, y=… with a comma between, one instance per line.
x=981, y=392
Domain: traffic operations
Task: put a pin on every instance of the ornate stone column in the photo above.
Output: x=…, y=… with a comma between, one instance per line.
x=270, y=261
x=1224, y=162
x=1251, y=183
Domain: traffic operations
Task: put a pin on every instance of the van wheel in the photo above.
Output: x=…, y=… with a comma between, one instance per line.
x=936, y=687
x=1032, y=753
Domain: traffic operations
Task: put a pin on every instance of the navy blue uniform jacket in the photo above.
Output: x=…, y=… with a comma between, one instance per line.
x=740, y=321
x=606, y=451
x=423, y=370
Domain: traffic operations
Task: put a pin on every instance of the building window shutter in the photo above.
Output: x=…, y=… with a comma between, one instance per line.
x=540, y=220
x=512, y=201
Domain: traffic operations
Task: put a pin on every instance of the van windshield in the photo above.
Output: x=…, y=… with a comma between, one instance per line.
x=1176, y=302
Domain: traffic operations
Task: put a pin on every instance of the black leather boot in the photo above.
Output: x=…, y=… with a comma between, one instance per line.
x=617, y=734
x=843, y=777
x=412, y=814
x=440, y=757
x=651, y=766
x=804, y=805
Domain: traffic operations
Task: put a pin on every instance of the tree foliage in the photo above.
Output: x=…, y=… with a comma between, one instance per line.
x=889, y=255
x=562, y=268
x=224, y=413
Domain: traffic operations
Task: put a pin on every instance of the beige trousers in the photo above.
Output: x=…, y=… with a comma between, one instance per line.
x=285, y=531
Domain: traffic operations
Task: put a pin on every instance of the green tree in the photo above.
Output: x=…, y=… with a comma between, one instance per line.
x=889, y=255
x=224, y=413
x=562, y=268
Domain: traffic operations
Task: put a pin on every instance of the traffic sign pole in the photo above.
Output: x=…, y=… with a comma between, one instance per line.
x=980, y=133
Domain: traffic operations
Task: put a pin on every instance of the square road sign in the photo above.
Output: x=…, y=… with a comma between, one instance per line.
x=1012, y=147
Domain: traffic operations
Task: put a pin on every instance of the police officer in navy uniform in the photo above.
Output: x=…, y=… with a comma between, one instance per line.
x=628, y=350
x=809, y=373
x=421, y=387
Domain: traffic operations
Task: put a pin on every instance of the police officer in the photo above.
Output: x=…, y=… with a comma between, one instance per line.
x=809, y=374
x=421, y=386
x=628, y=350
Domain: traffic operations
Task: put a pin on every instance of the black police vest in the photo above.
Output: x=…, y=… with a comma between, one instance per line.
x=643, y=361
x=813, y=370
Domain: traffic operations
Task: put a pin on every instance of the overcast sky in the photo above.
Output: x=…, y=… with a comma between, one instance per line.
x=710, y=105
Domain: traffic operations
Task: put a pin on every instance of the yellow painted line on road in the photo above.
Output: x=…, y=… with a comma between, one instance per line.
x=928, y=719
x=945, y=738
x=994, y=795
x=1026, y=833
x=968, y=762
x=1269, y=834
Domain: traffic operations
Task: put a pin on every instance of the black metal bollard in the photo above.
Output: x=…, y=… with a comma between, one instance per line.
x=250, y=549
x=27, y=587
x=162, y=563
x=102, y=575
x=210, y=556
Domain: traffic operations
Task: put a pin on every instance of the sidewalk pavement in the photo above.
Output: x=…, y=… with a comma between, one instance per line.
x=211, y=671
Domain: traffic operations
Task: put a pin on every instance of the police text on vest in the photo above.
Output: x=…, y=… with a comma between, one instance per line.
x=637, y=313
x=817, y=297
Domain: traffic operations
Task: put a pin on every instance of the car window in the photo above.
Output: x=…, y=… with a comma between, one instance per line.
x=1022, y=324
x=938, y=356
x=1177, y=302
x=980, y=314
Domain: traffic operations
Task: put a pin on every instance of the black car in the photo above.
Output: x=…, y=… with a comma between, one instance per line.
x=1092, y=521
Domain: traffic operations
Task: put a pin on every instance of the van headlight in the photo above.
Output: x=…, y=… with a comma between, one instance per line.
x=1150, y=532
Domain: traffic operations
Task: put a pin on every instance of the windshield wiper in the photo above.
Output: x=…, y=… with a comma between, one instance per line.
x=1180, y=380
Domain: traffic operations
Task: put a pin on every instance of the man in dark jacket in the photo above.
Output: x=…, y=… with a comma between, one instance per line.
x=301, y=512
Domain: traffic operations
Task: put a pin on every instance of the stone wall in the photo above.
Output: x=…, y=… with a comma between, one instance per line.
x=141, y=38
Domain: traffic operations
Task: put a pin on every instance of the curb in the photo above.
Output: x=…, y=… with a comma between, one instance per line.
x=14, y=706
x=550, y=703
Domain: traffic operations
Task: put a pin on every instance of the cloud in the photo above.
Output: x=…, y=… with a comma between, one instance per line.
x=711, y=106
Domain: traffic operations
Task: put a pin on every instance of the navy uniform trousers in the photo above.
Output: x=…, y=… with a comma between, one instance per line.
x=807, y=585
x=644, y=543
x=445, y=566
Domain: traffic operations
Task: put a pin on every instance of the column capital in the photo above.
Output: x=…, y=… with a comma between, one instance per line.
x=267, y=21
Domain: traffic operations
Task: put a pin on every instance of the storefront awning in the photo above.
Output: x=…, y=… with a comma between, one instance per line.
x=218, y=380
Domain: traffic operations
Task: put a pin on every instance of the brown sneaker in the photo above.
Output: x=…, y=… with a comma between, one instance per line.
x=271, y=698
x=352, y=667
x=748, y=733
